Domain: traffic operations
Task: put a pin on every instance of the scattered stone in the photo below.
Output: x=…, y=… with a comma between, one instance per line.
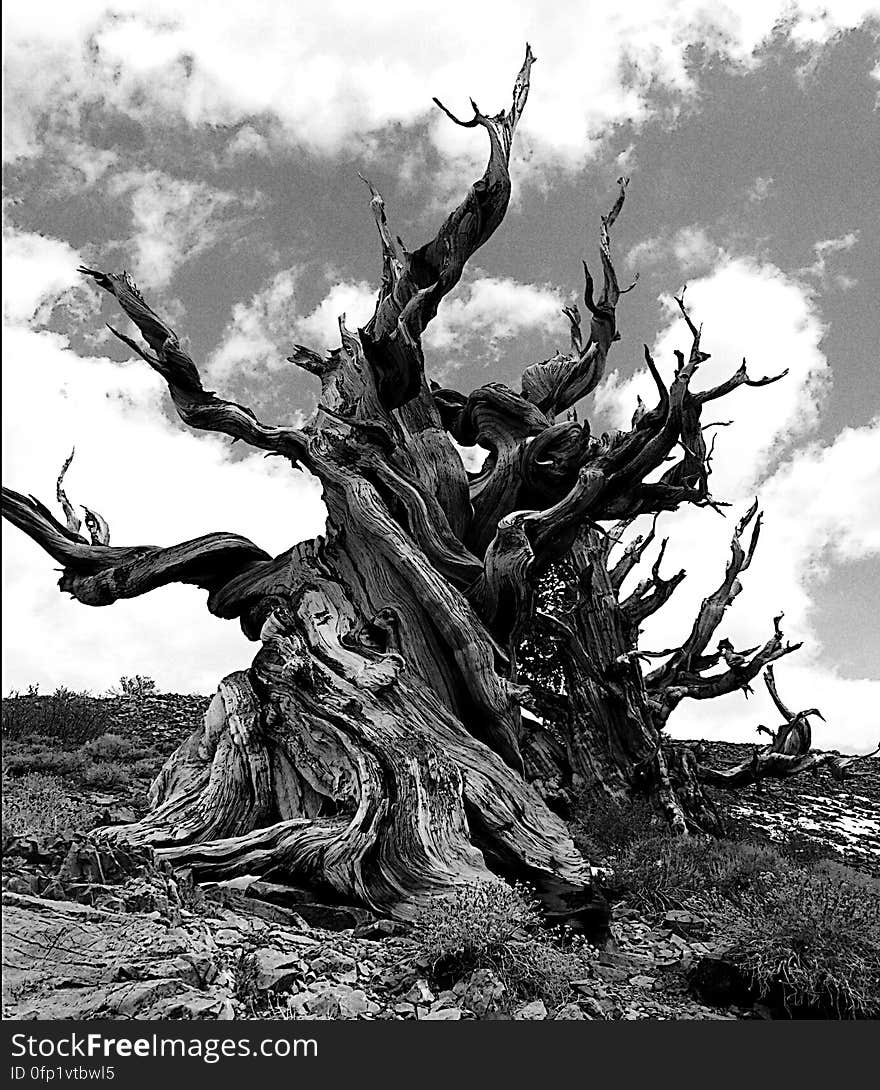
x=483, y=993
x=531, y=1012
x=420, y=993
x=446, y=1014
x=642, y=981
x=571, y=1012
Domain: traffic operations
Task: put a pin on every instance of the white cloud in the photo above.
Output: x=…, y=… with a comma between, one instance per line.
x=493, y=309
x=690, y=246
x=821, y=505
x=41, y=271
x=173, y=219
x=490, y=310
x=746, y=308
x=819, y=272
x=320, y=328
x=155, y=482
x=330, y=72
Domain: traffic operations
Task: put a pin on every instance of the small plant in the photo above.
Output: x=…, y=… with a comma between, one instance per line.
x=134, y=688
x=812, y=943
x=105, y=774
x=65, y=717
x=665, y=872
x=111, y=747
x=602, y=827
x=245, y=969
x=55, y=762
x=38, y=804
x=498, y=927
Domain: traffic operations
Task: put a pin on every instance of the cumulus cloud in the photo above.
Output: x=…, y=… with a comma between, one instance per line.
x=744, y=307
x=821, y=504
x=824, y=249
x=263, y=331
x=690, y=246
x=155, y=482
x=173, y=219
x=331, y=73
x=44, y=273
x=822, y=507
x=494, y=309
x=487, y=309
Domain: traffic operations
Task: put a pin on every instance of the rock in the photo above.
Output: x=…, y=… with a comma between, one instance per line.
x=571, y=1012
x=446, y=1014
x=591, y=1007
x=303, y=902
x=682, y=923
x=324, y=1005
x=379, y=929
x=483, y=993
x=277, y=971
x=99, y=964
x=610, y=972
x=332, y=961
x=642, y=981
x=531, y=1012
x=420, y=993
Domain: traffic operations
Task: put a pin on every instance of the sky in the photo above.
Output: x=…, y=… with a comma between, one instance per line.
x=214, y=151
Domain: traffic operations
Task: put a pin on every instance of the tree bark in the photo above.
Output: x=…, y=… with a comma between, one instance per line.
x=374, y=747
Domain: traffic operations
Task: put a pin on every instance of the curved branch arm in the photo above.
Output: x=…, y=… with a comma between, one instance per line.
x=413, y=284
x=713, y=608
x=739, y=378
x=197, y=407
x=770, y=681
x=765, y=764
x=558, y=383
x=632, y=554
x=652, y=593
x=98, y=575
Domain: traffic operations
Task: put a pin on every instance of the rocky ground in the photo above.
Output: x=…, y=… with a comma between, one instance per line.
x=94, y=931
x=843, y=818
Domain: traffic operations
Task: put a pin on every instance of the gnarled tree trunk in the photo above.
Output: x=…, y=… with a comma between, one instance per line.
x=374, y=746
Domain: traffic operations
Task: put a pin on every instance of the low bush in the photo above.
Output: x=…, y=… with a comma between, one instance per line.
x=498, y=927
x=105, y=774
x=134, y=688
x=66, y=717
x=56, y=762
x=112, y=747
x=812, y=943
x=663, y=872
x=38, y=804
x=602, y=827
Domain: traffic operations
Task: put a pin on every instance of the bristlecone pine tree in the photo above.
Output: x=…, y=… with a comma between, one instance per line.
x=373, y=747
x=602, y=717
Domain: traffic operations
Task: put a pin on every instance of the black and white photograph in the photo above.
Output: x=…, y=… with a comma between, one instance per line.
x=441, y=523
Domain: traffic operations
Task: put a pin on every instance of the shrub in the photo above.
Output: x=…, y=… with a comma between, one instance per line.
x=245, y=969
x=495, y=927
x=37, y=803
x=134, y=688
x=111, y=747
x=600, y=826
x=812, y=942
x=66, y=717
x=57, y=762
x=665, y=872
x=105, y=774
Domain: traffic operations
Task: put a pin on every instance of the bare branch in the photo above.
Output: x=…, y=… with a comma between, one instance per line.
x=197, y=407
x=73, y=521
